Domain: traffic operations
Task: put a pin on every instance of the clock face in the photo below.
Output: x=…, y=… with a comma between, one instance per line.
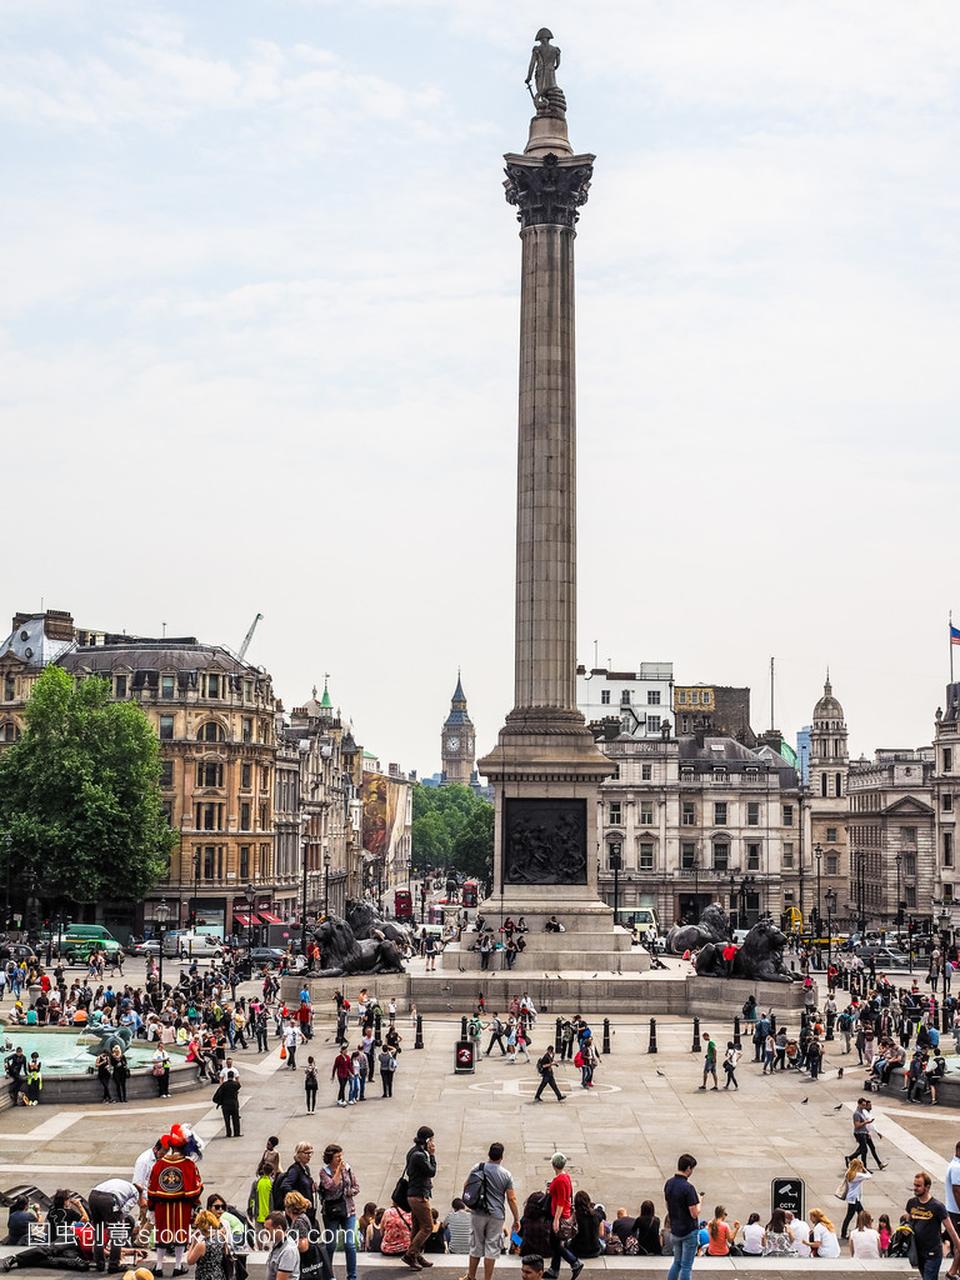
x=453, y=744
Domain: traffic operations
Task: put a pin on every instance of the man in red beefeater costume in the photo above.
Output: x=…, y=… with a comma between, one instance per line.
x=173, y=1194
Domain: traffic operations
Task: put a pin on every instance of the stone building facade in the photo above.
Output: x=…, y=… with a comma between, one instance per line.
x=945, y=778
x=892, y=837
x=695, y=823
x=825, y=848
x=639, y=701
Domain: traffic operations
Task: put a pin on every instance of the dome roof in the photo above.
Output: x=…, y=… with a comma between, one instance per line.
x=828, y=708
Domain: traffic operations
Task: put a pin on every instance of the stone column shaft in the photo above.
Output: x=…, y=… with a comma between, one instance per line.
x=546, y=613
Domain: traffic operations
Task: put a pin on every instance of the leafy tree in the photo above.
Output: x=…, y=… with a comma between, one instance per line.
x=80, y=809
x=452, y=827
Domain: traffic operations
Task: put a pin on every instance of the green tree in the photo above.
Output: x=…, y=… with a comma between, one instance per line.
x=452, y=826
x=80, y=809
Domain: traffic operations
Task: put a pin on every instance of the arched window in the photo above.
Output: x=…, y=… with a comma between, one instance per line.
x=9, y=731
x=211, y=732
x=823, y=784
x=839, y=784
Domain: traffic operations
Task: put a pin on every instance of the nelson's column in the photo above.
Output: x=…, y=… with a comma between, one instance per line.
x=545, y=768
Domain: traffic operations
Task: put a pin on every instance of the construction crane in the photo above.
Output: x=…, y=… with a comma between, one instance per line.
x=249, y=636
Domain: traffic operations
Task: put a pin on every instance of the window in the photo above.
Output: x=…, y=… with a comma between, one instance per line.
x=719, y=773
x=720, y=813
x=9, y=731
x=686, y=773
x=120, y=686
x=168, y=686
x=167, y=807
x=166, y=773
x=211, y=732
x=788, y=855
x=209, y=774
x=839, y=784
x=653, y=724
x=625, y=698
x=689, y=814
x=721, y=856
x=833, y=864
x=209, y=862
x=244, y=862
x=245, y=776
x=166, y=728
x=646, y=856
x=264, y=779
x=605, y=697
x=753, y=857
x=616, y=773
x=788, y=815
x=908, y=835
x=263, y=818
x=947, y=759
x=694, y=698
x=831, y=835
x=752, y=773
x=213, y=686
x=615, y=816
x=909, y=864
x=646, y=813
x=946, y=802
x=9, y=688
x=646, y=772
x=248, y=690
x=753, y=814
x=653, y=697
x=210, y=817
x=245, y=816
x=688, y=856
x=247, y=729
x=948, y=848
x=910, y=894
x=823, y=784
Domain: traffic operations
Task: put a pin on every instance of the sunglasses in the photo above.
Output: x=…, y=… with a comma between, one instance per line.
x=218, y=1207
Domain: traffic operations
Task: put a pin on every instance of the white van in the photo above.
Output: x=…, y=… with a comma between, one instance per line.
x=188, y=946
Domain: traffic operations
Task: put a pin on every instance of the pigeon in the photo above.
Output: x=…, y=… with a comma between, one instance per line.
x=804, y=1101
x=838, y=1107
x=660, y=1073
x=839, y=1073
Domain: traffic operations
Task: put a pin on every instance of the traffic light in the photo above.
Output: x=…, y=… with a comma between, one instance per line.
x=901, y=912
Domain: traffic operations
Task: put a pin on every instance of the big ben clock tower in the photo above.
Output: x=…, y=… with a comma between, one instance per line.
x=457, y=742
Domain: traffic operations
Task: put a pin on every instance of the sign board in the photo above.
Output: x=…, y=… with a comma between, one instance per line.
x=464, y=1062
x=787, y=1194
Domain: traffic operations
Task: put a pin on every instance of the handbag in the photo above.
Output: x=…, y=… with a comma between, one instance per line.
x=568, y=1229
x=401, y=1192
x=841, y=1191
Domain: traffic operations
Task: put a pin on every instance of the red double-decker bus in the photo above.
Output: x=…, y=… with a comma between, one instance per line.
x=470, y=893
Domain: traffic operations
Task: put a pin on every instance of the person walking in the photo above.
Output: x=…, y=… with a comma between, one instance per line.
x=731, y=1060
x=854, y=1179
x=563, y=1221
x=496, y=1036
x=388, y=1069
x=227, y=1098
x=421, y=1169
x=490, y=1189
x=710, y=1062
x=310, y=1085
x=929, y=1219
x=683, y=1212
x=291, y=1038
x=343, y=1071
x=862, y=1120
x=546, y=1066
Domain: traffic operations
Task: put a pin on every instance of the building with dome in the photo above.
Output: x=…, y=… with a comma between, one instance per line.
x=824, y=854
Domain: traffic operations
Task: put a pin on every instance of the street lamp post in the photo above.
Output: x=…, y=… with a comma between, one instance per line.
x=899, y=861
x=862, y=892
x=831, y=896
x=616, y=862
x=303, y=901
x=696, y=887
x=326, y=882
x=161, y=911
x=818, y=854
x=8, y=859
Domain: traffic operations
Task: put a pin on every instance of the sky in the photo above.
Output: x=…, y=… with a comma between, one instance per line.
x=258, y=341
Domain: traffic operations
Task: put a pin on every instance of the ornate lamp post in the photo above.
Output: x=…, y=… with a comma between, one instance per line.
x=831, y=896
x=899, y=861
x=616, y=862
x=162, y=913
x=818, y=854
x=326, y=882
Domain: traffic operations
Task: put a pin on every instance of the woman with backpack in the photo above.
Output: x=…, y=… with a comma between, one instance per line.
x=310, y=1085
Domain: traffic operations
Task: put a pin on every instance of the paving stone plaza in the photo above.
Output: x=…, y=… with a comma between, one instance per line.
x=622, y=1137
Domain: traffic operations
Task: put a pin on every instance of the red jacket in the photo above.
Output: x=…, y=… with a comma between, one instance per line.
x=342, y=1067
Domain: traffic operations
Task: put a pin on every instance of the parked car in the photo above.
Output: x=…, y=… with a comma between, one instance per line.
x=192, y=946
x=883, y=957
x=16, y=951
x=150, y=947
x=268, y=957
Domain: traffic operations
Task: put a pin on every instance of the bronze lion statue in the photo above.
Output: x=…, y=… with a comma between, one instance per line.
x=343, y=954
x=760, y=959
x=713, y=927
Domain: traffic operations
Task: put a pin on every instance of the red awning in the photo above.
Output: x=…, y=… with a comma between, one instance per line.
x=268, y=917
x=242, y=919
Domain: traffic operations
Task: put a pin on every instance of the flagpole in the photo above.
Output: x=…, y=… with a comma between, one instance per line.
x=950, y=637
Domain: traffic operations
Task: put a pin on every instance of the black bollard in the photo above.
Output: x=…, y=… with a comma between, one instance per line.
x=558, y=1037
x=463, y=1027
x=773, y=1023
x=652, y=1046
x=418, y=1042
x=736, y=1033
x=804, y=1022
x=377, y=1027
x=606, y=1037
x=695, y=1046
